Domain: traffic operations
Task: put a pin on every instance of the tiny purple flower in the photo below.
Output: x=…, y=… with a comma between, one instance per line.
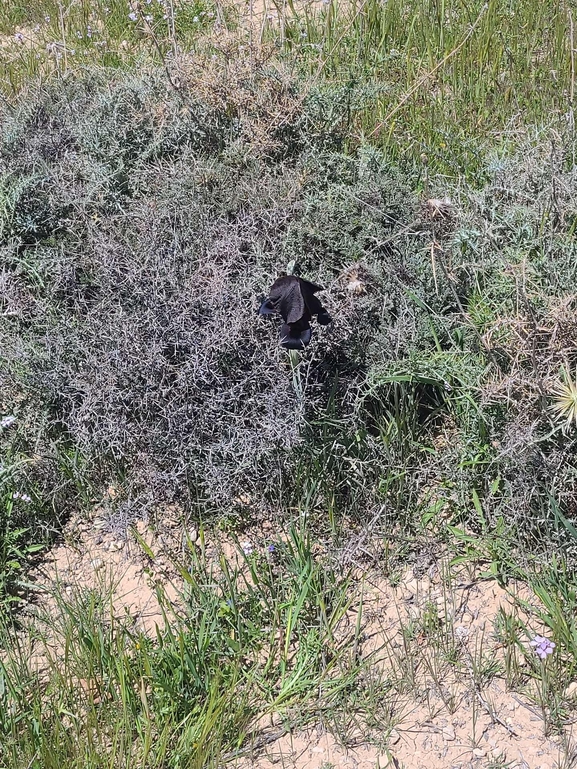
x=247, y=547
x=19, y=36
x=271, y=548
x=133, y=16
x=542, y=646
x=7, y=421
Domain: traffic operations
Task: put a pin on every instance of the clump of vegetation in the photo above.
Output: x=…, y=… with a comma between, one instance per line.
x=434, y=78
x=137, y=244
x=256, y=638
x=142, y=225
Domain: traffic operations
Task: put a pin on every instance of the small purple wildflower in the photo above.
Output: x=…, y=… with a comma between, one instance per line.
x=247, y=547
x=271, y=548
x=7, y=421
x=19, y=36
x=133, y=16
x=542, y=646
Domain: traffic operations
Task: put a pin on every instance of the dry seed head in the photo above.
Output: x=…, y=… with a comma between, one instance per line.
x=356, y=282
x=564, y=405
x=440, y=208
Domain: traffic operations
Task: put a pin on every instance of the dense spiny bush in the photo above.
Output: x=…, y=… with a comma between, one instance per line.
x=138, y=236
x=141, y=228
x=514, y=257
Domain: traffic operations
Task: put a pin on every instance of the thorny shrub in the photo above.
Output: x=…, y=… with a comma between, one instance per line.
x=138, y=235
x=513, y=255
x=142, y=225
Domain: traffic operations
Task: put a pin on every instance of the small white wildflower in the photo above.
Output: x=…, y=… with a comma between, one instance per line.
x=47, y=19
x=19, y=36
x=132, y=16
x=148, y=18
x=21, y=496
x=7, y=421
x=247, y=547
x=195, y=20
